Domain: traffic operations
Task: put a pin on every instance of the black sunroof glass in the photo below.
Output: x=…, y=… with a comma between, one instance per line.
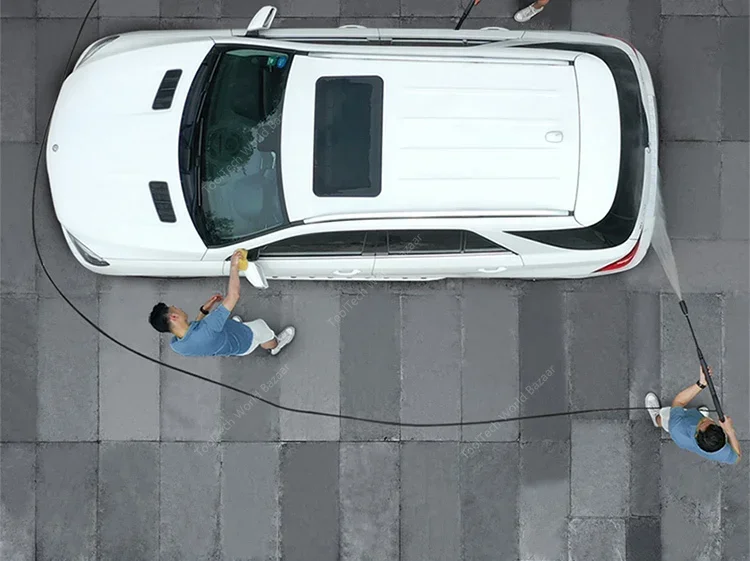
x=348, y=136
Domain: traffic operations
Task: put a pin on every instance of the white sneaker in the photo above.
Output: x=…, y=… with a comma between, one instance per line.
x=652, y=402
x=525, y=14
x=284, y=338
x=238, y=319
x=704, y=410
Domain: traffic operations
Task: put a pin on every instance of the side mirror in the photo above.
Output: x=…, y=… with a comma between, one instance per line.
x=254, y=275
x=261, y=21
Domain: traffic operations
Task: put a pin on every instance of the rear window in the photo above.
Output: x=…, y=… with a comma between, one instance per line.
x=348, y=136
x=617, y=226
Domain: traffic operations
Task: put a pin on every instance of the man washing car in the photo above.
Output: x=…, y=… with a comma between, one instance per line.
x=211, y=334
x=692, y=429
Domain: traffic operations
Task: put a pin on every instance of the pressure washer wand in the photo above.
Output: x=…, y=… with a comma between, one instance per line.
x=704, y=365
x=469, y=7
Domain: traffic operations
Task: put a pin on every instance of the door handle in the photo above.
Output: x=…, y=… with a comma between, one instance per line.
x=499, y=269
x=346, y=273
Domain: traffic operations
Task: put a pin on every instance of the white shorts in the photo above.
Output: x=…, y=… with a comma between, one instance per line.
x=261, y=334
x=664, y=414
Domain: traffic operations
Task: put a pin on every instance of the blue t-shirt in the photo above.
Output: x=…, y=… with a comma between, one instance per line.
x=683, y=424
x=214, y=336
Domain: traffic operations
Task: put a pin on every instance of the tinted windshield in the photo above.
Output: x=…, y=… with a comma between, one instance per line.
x=240, y=178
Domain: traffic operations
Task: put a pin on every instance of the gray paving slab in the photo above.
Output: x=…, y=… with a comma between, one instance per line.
x=189, y=501
x=735, y=194
x=370, y=362
x=312, y=360
x=597, y=538
x=67, y=378
x=309, y=474
x=190, y=409
x=307, y=23
x=66, y=500
x=18, y=369
x=611, y=17
x=489, y=479
x=18, y=9
x=372, y=23
x=643, y=539
x=430, y=501
x=690, y=7
x=644, y=341
x=691, y=79
x=735, y=505
x=17, y=256
x=189, y=8
x=119, y=25
x=69, y=276
x=645, y=468
x=132, y=8
x=704, y=267
x=128, y=384
x=735, y=8
x=439, y=8
x=542, y=362
x=17, y=489
x=544, y=500
x=691, y=506
x=371, y=8
x=369, y=494
x=128, y=501
x=67, y=9
x=489, y=376
x=599, y=468
x=645, y=32
x=250, y=500
x=243, y=418
x=679, y=362
x=734, y=35
x=18, y=43
x=735, y=397
x=241, y=8
x=55, y=37
x=430, y=365
x=178, y=23
x=304, y=8
x=691, y=189
x=597, y=344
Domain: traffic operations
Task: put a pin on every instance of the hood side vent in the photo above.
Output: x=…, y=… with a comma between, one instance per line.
x=162, y=201
x=165, y=93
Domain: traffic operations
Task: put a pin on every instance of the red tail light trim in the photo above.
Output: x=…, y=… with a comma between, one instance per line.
x=623, y=261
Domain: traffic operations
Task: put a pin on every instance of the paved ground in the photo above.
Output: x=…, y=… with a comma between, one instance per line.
x=105, y=457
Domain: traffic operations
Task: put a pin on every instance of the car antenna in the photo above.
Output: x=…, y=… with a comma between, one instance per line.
x=469, y=8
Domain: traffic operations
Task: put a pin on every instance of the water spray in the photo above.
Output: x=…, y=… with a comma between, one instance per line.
x=704, y=365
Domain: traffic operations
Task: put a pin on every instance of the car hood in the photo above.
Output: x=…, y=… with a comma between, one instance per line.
x=106, y=144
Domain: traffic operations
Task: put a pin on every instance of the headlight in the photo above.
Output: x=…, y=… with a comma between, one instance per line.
x=94, y=48
x=89, y=256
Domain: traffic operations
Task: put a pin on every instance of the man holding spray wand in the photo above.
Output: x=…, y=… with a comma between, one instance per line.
x=692, y=429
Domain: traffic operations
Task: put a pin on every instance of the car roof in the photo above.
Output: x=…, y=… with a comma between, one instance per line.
x=495, y=135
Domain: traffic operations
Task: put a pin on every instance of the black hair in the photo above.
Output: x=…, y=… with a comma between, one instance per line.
x=711, y=439
x=159, y=318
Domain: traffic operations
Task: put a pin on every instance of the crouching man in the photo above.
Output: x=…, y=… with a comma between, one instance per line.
x=211, y=334
x=692, y=429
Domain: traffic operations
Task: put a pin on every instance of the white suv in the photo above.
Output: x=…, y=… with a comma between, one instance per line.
x=354, y=153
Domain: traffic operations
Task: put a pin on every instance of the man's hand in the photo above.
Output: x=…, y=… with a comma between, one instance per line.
x=211, y=302
x=727, y=425
x=703, y=375
x=233, y=290
x=734, y=442
x=235, y=262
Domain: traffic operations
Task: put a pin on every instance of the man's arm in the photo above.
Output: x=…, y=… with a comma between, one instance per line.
x=233, y=290
x=216, y=298
x=688, y=394
x=734, y=442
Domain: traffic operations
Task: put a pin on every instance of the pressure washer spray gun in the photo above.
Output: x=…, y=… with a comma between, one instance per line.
x=704, y=365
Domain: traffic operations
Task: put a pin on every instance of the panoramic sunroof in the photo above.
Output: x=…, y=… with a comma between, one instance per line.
x=348, y=136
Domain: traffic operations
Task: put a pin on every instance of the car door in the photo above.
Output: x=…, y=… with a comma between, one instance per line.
x=321, y=256
x=429, y=254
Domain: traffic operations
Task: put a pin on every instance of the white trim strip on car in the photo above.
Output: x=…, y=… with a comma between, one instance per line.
x=436, y=214
x=488, y=59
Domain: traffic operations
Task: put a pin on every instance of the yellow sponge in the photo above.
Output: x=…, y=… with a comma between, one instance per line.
x=242, y=266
